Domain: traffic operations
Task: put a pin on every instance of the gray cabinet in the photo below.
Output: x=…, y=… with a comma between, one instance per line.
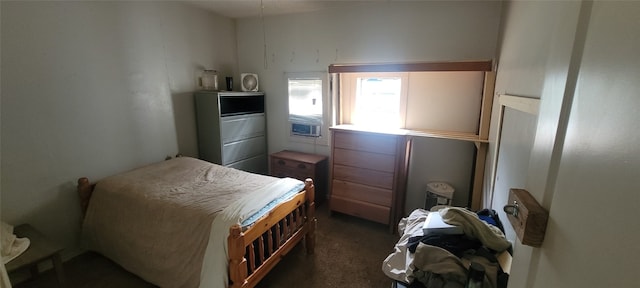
x=232, y=129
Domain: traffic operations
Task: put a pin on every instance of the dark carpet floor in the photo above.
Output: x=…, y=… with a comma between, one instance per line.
x=349, y=253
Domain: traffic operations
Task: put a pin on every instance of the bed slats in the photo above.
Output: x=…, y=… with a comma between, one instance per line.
x=270, y=241
x=284, y=230
x=270, y=238
x=267, y=244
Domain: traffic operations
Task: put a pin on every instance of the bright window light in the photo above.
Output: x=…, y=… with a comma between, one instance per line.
x=378, y=101
x=305, y=101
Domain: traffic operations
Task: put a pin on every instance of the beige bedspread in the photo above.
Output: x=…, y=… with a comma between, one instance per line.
x=155, y=221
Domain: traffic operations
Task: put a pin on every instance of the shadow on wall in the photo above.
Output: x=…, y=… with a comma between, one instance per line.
x=184, y=112
x=59, y=217
x=439, y=160
x=184, y=116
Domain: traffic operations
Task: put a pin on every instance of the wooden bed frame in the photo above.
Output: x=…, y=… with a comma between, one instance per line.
x=255, y=251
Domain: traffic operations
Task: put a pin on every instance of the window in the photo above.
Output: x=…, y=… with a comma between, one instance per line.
x=375, y=99
x=378, y=101
x=306, y=103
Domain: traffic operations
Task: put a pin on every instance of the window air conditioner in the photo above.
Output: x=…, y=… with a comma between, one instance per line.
x=305, y=130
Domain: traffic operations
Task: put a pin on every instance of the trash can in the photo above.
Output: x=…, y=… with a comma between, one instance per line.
x=438, y=193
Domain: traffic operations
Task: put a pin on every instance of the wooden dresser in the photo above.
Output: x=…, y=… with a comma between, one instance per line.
x=300, y=166
x=368, y=174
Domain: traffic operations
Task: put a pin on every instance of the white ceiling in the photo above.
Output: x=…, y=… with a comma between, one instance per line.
x=252, y=8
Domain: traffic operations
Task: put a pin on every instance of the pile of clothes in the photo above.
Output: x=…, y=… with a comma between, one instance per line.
x=442, y=260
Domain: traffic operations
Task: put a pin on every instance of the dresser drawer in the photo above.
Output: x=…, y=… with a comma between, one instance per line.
x=361, y=192
x=368, y=160
x=361, y=209
x=282, y=172
x=363, y=176
x=369, y=142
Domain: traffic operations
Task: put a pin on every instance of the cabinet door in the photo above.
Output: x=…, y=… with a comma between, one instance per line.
x=256, y=164
x=236, y=128
x=239, y=150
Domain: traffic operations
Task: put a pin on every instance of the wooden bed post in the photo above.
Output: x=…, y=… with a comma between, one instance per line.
x=237, y=262
x=85, y=189
x=310, y=237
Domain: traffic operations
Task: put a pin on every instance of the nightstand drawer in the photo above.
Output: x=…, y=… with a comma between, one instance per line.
x=293, y=173
x=292, y=165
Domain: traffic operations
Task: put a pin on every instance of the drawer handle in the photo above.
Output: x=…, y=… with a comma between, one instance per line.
x=302, y=166
x=281, y=162
x=512, y=209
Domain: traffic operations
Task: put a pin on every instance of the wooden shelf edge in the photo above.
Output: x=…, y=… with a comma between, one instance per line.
x=453, y=135
x=480, y=65
x=440, y=134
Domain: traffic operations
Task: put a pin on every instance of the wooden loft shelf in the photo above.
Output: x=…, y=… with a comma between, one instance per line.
x=480, y=139
x=463, y=136
x=483, y=65
x=441, y=134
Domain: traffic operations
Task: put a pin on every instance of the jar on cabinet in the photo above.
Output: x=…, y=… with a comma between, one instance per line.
x=209, y=80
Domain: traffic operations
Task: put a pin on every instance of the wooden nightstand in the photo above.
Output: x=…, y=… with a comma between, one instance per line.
x=300, y=166
x=40, y=249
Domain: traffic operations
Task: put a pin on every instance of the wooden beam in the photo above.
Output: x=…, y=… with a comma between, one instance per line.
x=486, y=65
x=487, y=104
x=478, y=178
x=524, y=104
x=463, y=136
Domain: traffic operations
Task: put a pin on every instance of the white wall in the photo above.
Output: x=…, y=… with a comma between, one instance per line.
x=446, y=101
x=391, y=31
x=96, y=88
x=534, y=60
x=599, y=172
x=584, y=160
x=4, y=278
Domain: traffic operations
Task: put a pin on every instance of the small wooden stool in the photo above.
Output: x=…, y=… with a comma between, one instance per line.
x=40, y=248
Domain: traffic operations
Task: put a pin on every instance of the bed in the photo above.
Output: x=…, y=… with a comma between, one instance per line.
x=185, y=222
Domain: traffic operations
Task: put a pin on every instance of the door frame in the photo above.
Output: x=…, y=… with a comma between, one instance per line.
x=520, y=103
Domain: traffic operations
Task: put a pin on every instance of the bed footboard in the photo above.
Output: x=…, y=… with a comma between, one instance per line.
x=254, y=252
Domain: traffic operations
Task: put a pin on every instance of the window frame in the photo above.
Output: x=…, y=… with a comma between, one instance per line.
x=348, y=91
x=324, y=127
